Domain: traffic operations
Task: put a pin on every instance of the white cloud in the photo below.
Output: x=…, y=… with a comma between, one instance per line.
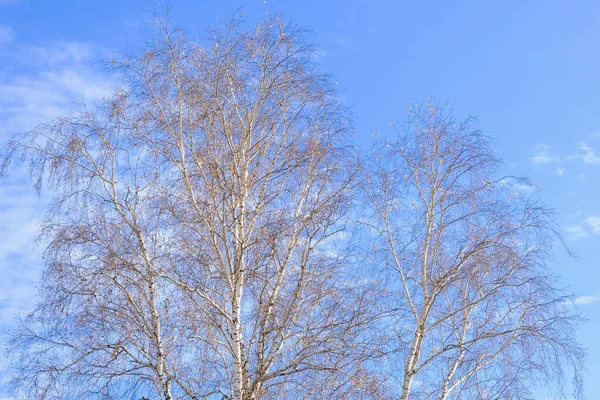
x=585, y=300
x=524, y=188
x=60, y=78
x=36, y=83
x=594, y=223
x=48, y=82
x=519, y=186
x=588, y=226
x=588, y=156
x=541, y=155
x=20, y=262
x=7, y=34
x=60, y=53
x=575, y=232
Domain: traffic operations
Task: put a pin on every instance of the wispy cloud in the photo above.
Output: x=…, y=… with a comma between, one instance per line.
x=46, y=82
x=19, y=261
x=36, y=83
x=542, y=155
x=585, y=300
x=575, y=232
x=594, y=224
x=60, y=53
x=588, y=155
x=523, y=188
x=587, y=227
x=519, y=186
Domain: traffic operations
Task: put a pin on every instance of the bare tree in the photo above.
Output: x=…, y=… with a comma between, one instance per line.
x=193, y=248
x=476, y=313
x=197, y=244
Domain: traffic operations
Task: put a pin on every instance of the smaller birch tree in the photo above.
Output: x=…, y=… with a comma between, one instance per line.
x=477, y=313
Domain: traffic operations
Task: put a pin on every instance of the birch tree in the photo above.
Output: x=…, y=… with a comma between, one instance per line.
x=477, y=314
x=193, y=246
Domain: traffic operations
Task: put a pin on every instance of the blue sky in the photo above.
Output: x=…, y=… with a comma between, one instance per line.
x=530, y=70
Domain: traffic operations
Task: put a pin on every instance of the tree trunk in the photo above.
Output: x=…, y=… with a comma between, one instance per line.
x=238, y=343
x=411, y=363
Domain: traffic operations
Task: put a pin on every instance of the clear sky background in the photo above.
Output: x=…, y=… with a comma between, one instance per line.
x=530, y=70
